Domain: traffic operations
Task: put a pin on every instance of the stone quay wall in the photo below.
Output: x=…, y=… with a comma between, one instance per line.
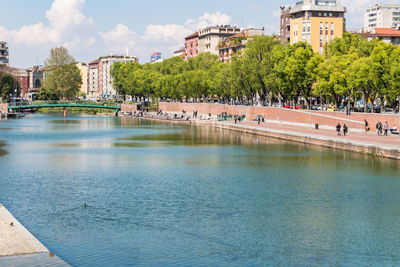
x=295, y=117
x=128, y=108
x=4, y=108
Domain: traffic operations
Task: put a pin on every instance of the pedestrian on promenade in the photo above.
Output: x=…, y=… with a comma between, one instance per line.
x=345, y=129
x=366, y=126
x=338, y=128
x=258, y=120
x=236, y=119
x=386, y=128
x=378, y=126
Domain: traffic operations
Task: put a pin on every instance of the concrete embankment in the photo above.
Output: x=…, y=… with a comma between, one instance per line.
x=391, y=151
x=18, y=247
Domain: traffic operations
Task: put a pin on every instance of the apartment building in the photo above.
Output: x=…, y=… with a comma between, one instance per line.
x=381, y=16
x=4, y=60
x=317, y=22
x=285, y=24
x=235, y=43
x=100, y=79
x=192, y=45
x=210, y=37
x=83, y=68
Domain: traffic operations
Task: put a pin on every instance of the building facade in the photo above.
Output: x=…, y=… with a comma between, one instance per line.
x=381, y=16
x=100, y=79
x=93, y=85
x=83, y=68
x=317, y=22
x=22, y=76
x=4, y=60
x=285, y=24
x=211, y=37
x=192, y=45
x=235, y=43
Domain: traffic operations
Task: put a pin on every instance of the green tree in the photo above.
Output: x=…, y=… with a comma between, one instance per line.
x=64, y=77
x=9, y=87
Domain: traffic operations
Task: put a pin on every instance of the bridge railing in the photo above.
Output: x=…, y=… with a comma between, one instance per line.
x=57, y=102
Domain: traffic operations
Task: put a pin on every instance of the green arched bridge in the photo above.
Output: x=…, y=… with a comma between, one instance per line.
x=64, y=104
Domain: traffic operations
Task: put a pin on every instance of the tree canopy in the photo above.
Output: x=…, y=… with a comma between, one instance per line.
x=64, y=78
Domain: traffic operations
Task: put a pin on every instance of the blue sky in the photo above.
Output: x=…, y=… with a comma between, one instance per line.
x=93, y=28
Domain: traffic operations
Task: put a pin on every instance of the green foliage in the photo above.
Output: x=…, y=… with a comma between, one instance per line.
x=9, y=87
x=64, y=77
x=351, y=68
x=48, y=94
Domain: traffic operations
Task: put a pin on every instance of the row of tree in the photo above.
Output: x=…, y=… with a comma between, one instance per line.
x=350, y=69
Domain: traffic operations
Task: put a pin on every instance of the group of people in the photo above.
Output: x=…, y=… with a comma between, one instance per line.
x=339, y=129
x=238, y=118
x=383, y=128
x=260, y=119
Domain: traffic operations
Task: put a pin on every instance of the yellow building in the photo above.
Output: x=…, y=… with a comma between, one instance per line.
x=84, y=74
x=317, y=22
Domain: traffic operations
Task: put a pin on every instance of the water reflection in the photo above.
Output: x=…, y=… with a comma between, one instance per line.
x=2, y=150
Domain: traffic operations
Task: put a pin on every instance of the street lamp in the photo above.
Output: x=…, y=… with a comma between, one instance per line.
x=398, y=128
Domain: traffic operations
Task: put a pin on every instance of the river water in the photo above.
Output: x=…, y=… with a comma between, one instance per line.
x=177, y=195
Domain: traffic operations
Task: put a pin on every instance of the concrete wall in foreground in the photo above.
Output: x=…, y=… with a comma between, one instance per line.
x=4, y=108
x=355, y=121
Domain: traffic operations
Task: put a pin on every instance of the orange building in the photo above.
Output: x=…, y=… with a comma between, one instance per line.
x=317, y=22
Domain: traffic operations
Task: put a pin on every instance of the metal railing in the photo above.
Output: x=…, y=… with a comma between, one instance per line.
x=66, y=103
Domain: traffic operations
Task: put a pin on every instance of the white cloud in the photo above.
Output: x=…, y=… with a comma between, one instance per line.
x=63, y=19
x=165, y=38
x=120, y=38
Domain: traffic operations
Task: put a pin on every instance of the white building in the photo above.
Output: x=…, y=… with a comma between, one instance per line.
x=211, y=37
x=381, y=16
x=100, y=79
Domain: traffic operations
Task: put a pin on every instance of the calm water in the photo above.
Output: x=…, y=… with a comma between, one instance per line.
x=169, y=195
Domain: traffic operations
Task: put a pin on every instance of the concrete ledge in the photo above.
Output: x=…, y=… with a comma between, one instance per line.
x=16, y=240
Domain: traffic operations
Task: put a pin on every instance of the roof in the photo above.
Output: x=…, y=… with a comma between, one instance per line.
x=193, y=35
x=94, y=62
x=179, y=51
x=238, y=35
x=387, y=32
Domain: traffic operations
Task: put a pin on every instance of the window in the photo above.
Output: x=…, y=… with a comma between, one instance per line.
x=321, y=50
x=326, y=26
x=308, y=39
x=332, y=26
x=321, y=26
x=327, y=39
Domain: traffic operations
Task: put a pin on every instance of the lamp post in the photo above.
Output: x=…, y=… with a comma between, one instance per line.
x=398, y=128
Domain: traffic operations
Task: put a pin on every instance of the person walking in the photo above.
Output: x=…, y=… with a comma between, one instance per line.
x=345, y=129
x=386, y=128
x=378, y=125
x=366, y=126
x=338, y=128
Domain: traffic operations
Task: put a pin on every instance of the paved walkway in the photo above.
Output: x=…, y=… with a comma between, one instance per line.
x=371, y=138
